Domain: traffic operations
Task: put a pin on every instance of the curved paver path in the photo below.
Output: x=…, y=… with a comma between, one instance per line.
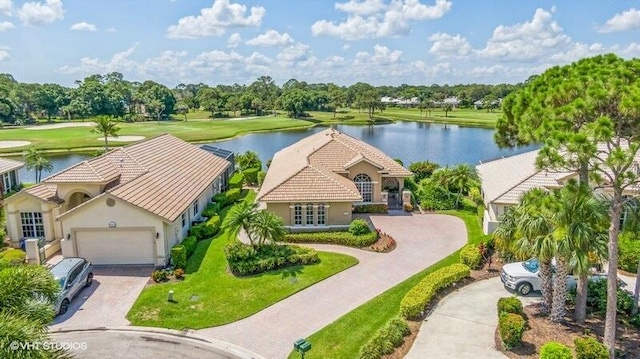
x=422, y=240
x=463, y=324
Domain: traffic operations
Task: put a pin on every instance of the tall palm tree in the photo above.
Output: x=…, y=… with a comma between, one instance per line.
x=268, y=227
x=26, y=293
x=35, y=160
x=241, y=216
x=106, y=127
x=462, y=177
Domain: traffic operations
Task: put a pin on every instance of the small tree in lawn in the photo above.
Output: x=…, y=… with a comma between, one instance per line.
x=267, y=227
x=241, y=216
x=106, y=127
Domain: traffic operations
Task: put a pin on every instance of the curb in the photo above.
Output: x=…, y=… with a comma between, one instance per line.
x=238, y=352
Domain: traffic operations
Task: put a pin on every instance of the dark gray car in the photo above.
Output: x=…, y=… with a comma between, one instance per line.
x=72, y=274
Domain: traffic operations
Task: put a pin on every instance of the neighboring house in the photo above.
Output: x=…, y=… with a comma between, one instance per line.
x=9, y=172
x=314, y=183
x=453, y=101
x=128, y=206
x=402, y=102
x=225, y=155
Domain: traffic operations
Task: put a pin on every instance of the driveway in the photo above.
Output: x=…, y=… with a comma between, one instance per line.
x=423, y=239
x=463, y=324
x=107, y=301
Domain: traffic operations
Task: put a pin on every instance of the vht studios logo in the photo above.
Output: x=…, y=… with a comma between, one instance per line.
x=47, y=345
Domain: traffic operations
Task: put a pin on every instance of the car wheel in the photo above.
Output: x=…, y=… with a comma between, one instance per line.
x=89, y=280
x=64, y=306
x=524, y=288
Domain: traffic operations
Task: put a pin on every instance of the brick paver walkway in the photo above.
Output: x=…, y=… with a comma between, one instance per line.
x=422, y=240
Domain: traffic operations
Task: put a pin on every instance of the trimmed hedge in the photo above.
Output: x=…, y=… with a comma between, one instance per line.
x=385, y=340
x=511, y=327
x=470, y=255
x=233, y=195
x=414, y=302
x=236, y=180
x=359, y=227
x=190, y=244
x=511, y=305
x=342, y=238
x=629, y=251
x=251, y=176
x=207, y=229
x=244, y=259
x=590, y=348
x=13, y=256
x=211, y=210
x=179, y=256
x=371, y=208
x=555, y=350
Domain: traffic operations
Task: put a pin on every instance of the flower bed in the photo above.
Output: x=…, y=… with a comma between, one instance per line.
x=246, y=260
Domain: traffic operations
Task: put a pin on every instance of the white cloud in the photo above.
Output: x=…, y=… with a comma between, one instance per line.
x=382, y=55
x=626, y=20
x=271, y=38
x=6, y=25
x=38, y=13
x=6, y=7
x=528, y=41
x=234, y=40
x=380, y=20
x=577, y=52
x=4, y=53
x=346, y=47
x=445, y=45
x=294, y=53
x=84, y=26
x=117, y=62
x=110, y=29
x=215, y=20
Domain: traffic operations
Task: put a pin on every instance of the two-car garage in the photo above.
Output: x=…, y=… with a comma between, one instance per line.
x=116, y=245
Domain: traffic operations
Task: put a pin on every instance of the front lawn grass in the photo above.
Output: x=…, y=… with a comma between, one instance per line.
x=211, y=296
x=344, y=337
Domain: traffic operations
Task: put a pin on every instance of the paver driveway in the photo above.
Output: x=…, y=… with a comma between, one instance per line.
x=422, y=240
x=107, y=301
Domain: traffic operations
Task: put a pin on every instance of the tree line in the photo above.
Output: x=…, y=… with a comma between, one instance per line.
x=112, y=95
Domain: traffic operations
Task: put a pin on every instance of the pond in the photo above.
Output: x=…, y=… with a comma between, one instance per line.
x=408, y=141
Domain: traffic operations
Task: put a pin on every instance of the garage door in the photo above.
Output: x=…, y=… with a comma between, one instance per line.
x=116, y=246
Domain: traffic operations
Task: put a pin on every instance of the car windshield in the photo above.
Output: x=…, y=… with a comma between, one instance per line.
x=531, y=265
x=61, y=281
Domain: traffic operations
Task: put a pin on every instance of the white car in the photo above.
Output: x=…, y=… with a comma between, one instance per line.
x=524, y=278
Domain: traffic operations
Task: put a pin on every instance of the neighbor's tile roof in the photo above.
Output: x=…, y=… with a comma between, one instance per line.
x=308, y=169
x=7, y=165
x=500, y=176
x=44, y=191
x=162, y=175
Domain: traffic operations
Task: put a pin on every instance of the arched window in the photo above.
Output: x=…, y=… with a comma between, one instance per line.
x=309, y=214
x=364, y=185
x=322, y=213
x=297, y=214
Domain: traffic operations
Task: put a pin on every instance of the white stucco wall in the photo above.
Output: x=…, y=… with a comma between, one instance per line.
x=25, y=203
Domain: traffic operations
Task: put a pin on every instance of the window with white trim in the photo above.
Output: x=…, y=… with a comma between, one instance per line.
x=9, y=180
x=321, y=215
x=184, y=219
x=196, y=208
x=309, y=214
x=297, y=214
x=32, y=226
x=365, y=186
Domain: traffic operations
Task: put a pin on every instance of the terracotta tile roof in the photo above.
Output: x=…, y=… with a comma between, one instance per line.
x=44, y=191
x=98, y=170
x=541, y=179
x=7, y=165
x=308, y=169
x=499, y=176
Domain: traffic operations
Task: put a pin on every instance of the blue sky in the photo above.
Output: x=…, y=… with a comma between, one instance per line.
x=376, y=41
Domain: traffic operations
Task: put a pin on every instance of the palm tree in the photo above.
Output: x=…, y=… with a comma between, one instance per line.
x=26, y=293
x=35, y=160
x=462, y=177
x=242, y=216
x=106, y=127
x=268, y=227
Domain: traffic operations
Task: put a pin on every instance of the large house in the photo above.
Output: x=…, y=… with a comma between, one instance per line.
x=128, y=206
x=9, y=173
x=314, y=183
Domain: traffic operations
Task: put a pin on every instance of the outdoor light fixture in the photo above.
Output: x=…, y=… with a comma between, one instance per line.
x=170, y=296
x=68, y=236
x=157, y=235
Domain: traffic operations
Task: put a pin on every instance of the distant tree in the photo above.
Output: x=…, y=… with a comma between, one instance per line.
x=422, y=170
x=447, y=108
x=35, y=160
x=249, y=159
x=106, y=127
x=51, y=98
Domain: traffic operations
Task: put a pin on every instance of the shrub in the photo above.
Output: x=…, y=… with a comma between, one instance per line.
x=220, y=200
x=233, y=195
x=408, y=207
x=13, y=256
x=251, y=176
x=179, y=256
x=414, y=302
x=236, y=180
x=189, y=245
x=511, y=305
x=629, y=249
x=555, y=350
x=385, y=340
x=211, y=210
x=342, y=238
x=359, y=227
x=422, y=170
x=207, y=229
x=589, y=348
x=471, y=256
x=245, y=259
x=159, y=275
x=511, y=327
x=371, y=208
x=384, y=244
x=597, y=298
x=261, y=176
x=434, y=196
x=178, y=273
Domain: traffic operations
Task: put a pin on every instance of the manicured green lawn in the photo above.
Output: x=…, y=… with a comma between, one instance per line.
x=221, y=297
x=459, y=116
x=344, y=337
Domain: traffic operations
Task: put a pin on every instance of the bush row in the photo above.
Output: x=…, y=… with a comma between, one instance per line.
x=207, y=229
x=371, y=208
x=236, y=180
x=585, y=348
x=359, y=227
x=228, y=198
x=251, y=176
x=555, y=350
x=179, y=256
x=414, y=302
x=385, y=340
x=511, y=328
x=470, y=255
x=13, y=256
x=245, y=259
x=342, y=238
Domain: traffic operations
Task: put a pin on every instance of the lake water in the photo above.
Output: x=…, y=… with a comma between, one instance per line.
x=408, y=141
